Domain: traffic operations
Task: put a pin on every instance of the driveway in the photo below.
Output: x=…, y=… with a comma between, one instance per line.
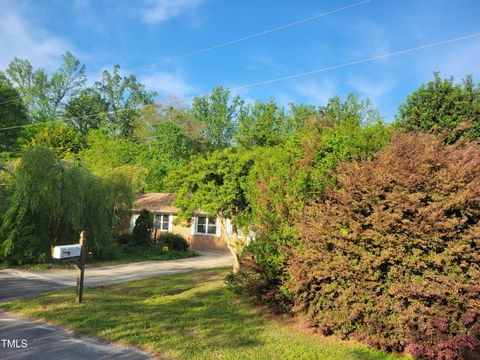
x=22, y=283
x=22, y=338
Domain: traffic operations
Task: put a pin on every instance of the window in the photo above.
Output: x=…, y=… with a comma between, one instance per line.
x=206, y=225
x=161, y=222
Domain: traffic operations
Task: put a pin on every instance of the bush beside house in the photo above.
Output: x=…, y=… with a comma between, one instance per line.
x=392, y=256
x=142, y=231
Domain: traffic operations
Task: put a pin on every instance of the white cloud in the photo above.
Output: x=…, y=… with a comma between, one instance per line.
x=159, y=10
x=21, y=38
x=167, y=84
x=317, y=92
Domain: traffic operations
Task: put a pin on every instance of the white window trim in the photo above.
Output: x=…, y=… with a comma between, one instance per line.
x=170, y=220
x=217, y=226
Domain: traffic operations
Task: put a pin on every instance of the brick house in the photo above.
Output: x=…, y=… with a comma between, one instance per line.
x=205, y=232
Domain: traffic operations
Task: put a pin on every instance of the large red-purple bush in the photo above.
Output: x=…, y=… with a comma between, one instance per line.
x=391, y=256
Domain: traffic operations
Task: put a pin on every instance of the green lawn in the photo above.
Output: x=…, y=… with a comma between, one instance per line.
x=185, y=316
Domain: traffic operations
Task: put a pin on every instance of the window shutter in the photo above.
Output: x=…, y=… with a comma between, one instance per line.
x=170, y=222
x=218, y=228
x=133, y=220
x=194, y=223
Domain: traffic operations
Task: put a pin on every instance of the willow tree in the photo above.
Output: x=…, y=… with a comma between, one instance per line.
x=52, y=202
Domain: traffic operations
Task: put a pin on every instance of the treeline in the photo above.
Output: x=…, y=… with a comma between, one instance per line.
x=369, y=229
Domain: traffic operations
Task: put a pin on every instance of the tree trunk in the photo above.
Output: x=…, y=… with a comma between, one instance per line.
x=231, y=247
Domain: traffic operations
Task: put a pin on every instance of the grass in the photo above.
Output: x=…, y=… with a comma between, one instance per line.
x=186, y=316
x=125, y=255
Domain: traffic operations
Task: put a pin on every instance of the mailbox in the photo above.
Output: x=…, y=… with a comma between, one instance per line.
x=66, y=251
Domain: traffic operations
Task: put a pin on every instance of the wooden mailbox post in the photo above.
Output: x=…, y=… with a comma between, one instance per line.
x=76, y=253
x=81, y=268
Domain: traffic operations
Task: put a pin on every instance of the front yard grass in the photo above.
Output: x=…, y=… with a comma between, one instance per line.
x=186, y=316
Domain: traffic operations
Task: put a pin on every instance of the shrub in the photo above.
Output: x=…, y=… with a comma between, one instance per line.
x=443, y=108
x=392, y=256
x=286, y=177
x=142, y=230
x=173, y=241
x=124, y=238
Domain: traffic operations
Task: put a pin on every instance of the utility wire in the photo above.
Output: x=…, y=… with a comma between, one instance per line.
x=251, y=36
x=292, y=76
x=244, y=38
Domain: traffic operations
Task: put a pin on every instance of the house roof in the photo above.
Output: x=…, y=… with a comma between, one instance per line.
x=155, y=202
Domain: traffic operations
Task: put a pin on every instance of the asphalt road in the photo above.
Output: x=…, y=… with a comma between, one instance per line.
x=44, y=341
x=23, y=338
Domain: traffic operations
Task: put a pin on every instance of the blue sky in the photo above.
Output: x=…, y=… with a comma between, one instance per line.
x=137, y=33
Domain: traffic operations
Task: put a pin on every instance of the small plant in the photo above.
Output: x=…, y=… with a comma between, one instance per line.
x=173, y=241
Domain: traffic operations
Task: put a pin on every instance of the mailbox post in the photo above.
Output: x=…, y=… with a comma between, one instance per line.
x=75, y=253
x=81, y=268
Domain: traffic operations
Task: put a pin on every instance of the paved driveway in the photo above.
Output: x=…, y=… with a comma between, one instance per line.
x=22, y=283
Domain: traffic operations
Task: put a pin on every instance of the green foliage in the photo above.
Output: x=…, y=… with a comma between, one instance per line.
x=263, y=124
x=444, y=108
x=61, y=138
x=52, y=202
x=12, y=113
x=142, y=231
x=169, y=146
x=391, y=256
x=112, y=158
x=172, y=241
x=214, y=183
x=123, y=96
x=86, y=111
x=46, y=97
x=284, y=178
x=219, y=115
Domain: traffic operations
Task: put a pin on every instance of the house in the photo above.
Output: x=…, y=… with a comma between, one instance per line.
x=205, y=232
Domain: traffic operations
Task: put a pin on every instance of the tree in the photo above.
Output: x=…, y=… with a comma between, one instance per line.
x=215, y=184
x=111, y=158
x=444, y=108
x=263, y=124
x=219, y=115
x=123, y=96
x=46, y=97
x=62, y=139
x=86, y=111
x=13, y=115
x=52, y=201
x=170, y=146
x=142, y=231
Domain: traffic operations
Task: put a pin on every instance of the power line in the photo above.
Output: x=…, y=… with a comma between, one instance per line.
x=235, y=41
x=292, y=76
x=373, y=58
x=251, y=36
